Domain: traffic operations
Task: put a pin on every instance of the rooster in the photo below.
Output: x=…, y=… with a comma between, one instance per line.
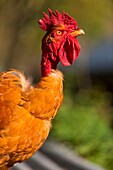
x=26, y=111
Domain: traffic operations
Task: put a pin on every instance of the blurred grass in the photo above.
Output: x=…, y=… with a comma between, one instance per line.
x=84, y=123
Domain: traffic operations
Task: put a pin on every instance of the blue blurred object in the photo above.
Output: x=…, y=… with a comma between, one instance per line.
x=101, y=57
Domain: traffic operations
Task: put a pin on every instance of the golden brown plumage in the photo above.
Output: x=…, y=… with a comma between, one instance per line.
x=26, y=111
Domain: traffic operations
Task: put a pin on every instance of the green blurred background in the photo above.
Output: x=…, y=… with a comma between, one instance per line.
x=85, y=120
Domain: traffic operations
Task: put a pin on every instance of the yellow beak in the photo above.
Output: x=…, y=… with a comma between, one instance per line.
x=78, y=32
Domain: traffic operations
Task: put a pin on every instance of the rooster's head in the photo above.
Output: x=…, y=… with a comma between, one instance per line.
x=60, y=42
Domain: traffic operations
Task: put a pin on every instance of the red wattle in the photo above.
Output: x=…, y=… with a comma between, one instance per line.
x=69, y=51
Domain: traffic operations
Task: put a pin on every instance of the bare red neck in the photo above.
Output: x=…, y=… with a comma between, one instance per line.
x=49, y=60
x=47, y=64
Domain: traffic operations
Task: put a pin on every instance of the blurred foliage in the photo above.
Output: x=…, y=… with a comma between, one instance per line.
x=84, y=123
x=85, y=118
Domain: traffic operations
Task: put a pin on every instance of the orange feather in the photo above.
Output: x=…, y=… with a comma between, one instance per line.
x=26, y=113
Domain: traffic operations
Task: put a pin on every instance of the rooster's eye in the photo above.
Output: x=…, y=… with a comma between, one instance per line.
x=58, y=32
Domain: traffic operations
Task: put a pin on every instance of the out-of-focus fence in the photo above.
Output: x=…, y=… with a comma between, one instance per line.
x=55, y=156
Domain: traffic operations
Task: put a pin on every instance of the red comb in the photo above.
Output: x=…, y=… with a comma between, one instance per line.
x=54, y=19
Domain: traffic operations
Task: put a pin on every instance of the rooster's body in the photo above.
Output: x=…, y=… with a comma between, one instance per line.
x=26, y=111
x=24, y=122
